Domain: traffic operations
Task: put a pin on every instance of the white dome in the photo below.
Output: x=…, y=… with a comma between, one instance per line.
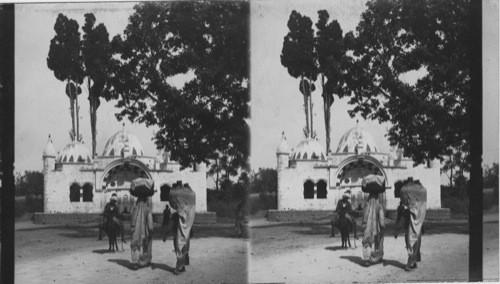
x=49, y=150
x=74, y=152
x=308, y=149
x=357, y=138
x=121, y=140
x=283, y=147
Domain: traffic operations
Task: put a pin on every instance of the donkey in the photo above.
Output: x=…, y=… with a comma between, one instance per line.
x=112, y=229
x=340, y=222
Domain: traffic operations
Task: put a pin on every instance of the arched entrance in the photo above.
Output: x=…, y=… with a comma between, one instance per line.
x=118, y=176
x=350, y=174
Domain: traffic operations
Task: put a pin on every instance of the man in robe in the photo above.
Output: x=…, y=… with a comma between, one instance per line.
x=183, y=203
x=345, y=207
x=373, y=230
x=240, y=223
x=141, y=225
x=111, y=214
x=412, y=211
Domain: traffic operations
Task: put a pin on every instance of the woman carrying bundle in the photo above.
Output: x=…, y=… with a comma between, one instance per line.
x=373, y=220
x=142, y=223
x=183, y=202
x=411, y=212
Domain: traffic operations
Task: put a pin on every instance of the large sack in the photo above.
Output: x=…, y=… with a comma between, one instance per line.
x=142, y=187
x=182, y=197
x=413, y=191
x=373, y=184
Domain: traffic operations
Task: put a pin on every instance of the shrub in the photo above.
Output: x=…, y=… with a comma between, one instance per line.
x=263, y=201
x=28, y=204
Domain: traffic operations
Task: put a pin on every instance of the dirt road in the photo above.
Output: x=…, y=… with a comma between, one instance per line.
x=279, y=252
x=46, y=254
x=304, y=253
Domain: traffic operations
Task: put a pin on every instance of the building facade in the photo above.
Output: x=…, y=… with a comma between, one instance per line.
x=74, y=182
x=309, y=179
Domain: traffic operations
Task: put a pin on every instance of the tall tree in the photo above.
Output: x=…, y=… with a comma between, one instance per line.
x=428, y=37
x=96, y=54
x=299, y=57
x=205, y=42
x=329, y=44
x=64, y=60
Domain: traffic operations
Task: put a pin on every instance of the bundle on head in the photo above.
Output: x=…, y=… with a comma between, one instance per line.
x=373, y=184
x=413, y=191
x=142, y=187
x=181, y=197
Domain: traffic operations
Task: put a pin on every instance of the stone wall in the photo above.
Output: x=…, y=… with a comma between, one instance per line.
x=326, y=215
x=291, y=188
x=291, y=185
x=57, y=189
x=92, y=219
x=56, y=192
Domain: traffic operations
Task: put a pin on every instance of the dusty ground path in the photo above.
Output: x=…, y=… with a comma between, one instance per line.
x=304, y=253
x=490, y=247
x=51, y=254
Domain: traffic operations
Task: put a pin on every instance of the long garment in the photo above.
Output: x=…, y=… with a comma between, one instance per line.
x=142, y=233
x=374, y=224
x=182, y=225
x=345, y=207
x=240, y=223
x=413, y=215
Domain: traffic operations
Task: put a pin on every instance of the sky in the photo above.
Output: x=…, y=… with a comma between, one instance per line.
x=42, y=108
x=277, y=104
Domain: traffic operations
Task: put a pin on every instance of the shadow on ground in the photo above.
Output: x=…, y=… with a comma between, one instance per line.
x=101, y=251
x=336, y=248
x=162, y=266
x=123, y=262
x=360, y=261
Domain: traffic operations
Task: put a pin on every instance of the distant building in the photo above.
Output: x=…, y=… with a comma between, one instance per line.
x=75, y=182
x=310, y=179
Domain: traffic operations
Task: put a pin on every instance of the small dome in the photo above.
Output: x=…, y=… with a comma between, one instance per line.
x=283, y=146
x=49, y=150
x=74, y=152
x=308, y=149
x=357, y=139
x=123, y=140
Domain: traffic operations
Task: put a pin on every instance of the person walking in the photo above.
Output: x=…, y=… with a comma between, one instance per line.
x=411, y=216
x=240, y=222
x=183, y=203
x=142, y=223
x=373, y=230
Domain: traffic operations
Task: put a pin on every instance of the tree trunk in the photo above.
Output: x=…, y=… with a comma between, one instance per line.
x=326, y=110
x=93, y=118
x=77, y=110
x=306, y=105
x=217, y=175
x=311, y=107
x=72, y=110
x=451, y=171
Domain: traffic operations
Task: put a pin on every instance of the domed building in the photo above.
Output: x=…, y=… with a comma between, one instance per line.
x=76, y=182
x=310, y=183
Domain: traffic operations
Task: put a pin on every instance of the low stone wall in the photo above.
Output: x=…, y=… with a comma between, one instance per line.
x=92, y=219
x=67, y=219
x=304, y=215
x=325, y=215
x=199, y=218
